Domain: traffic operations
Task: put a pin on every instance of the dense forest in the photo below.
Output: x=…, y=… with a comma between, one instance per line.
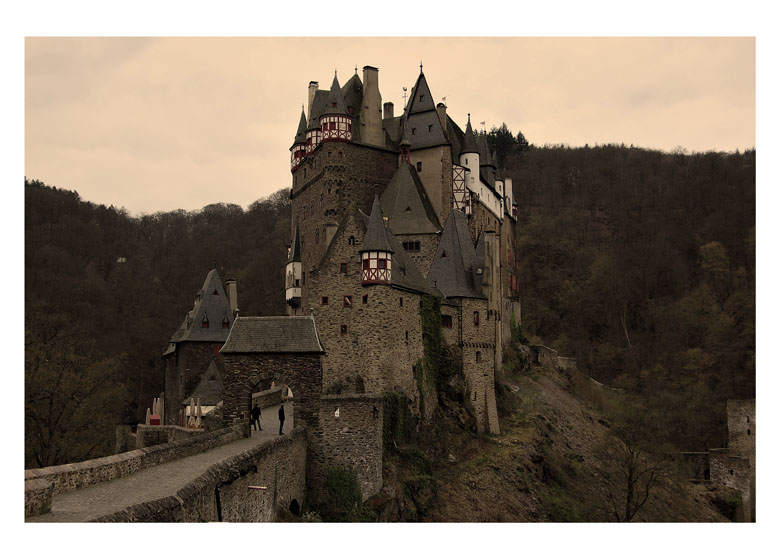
x=105, y=291
x=639, y=263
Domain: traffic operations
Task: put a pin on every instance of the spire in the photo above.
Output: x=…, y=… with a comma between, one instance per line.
x=376, y=233
x=335, y=103
x=421, y=99
x=469, y=143
x=295, y=249
x=300, y=135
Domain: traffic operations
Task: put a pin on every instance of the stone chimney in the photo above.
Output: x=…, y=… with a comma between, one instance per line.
x=313, y=87
x=388, y=110
x=441, y=110
x=371, y=113
x=232, y=290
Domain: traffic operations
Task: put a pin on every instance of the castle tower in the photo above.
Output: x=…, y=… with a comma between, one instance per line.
x=298, y=149
x=469, y=157
x=292, y=275
x=335, y=121
x=376, y=255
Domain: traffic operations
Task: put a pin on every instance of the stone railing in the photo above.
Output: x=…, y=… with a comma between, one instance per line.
x=247, y=487
x=42, y=483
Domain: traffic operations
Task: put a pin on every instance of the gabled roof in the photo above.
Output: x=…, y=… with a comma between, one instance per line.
x=300, y=135
x=421, y=89
x=455, y=264
x=376, y=232
x=273, y=334
x=211, y=303
x=407, y=207
x=295, y=249
x=209, y=389
x=335, y=103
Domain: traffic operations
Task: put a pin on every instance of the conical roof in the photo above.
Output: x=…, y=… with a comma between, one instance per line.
x=295, y=250
x=407, y=207
x=335, y=103
x=376, y=233
x=469, y=142
x=454, y=266
x=211, y=303
x=300, y=135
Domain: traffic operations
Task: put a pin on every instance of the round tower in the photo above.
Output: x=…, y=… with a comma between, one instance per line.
x=469, y=157
x=376, y=254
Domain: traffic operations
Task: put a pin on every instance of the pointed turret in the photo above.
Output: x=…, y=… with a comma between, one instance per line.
x=298, y=149
x=376, y=253
x=293, y=269
x=423, y=123
x=469, y=157
x=455, y=269
x=407, y=207
x=335, y=122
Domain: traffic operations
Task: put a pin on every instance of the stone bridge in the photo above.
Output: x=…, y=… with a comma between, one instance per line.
x=217, y=476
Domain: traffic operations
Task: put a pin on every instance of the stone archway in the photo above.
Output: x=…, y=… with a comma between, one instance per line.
x=302, y=373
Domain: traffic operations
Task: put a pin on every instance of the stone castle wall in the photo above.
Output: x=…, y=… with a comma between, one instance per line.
x=479, y=363
x=352, y=440
x=377, y=341
x=734, y=472
x=326, y=184
x=428, y=245
x=741, y=416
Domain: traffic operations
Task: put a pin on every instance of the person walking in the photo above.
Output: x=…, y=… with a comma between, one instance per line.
x=281, y=419
x=256, y=413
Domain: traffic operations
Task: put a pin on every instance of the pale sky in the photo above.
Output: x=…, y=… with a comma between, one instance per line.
x=156, y=124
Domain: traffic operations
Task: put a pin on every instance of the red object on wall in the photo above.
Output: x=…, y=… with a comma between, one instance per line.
x=154, y=419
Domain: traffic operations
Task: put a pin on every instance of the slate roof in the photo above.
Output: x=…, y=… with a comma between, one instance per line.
x=273, y=334
x=295, y=250
x=376, y=232
x=353, y=94
x=455, y=264
x=406, y=205
x=300, y=135
x=405, y=273
x=209, y=389
x=469, y=142
x=317, y=108
x=215, y=307
x=421, y=88
x=335, y=104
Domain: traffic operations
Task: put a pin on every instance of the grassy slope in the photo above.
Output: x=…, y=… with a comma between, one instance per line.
x=540, y=468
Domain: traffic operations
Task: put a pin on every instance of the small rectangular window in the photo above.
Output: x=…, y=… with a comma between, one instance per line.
x=365, y=299
x=347, y=300
x=343, y=329
x=343, y=267
x=381, y=264
x=401, y=302
x=478, y=357
x=419, y=166
x=324, y=301
x=414, y=131
x=476, y=318
x=430, y=128
x=446, y=321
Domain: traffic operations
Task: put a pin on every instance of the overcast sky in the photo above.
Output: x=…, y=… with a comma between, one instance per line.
x=155, y=124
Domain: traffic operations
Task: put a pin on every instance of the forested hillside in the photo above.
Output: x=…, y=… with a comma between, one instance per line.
x=103, y=294
x=641, y=264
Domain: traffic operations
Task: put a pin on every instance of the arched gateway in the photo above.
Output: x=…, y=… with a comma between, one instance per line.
x=283, y=349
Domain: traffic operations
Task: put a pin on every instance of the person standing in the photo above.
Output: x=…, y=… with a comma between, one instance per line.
x=256, y=417
x=281, y=419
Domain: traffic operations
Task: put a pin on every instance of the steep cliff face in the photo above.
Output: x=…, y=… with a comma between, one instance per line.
x=546, y=466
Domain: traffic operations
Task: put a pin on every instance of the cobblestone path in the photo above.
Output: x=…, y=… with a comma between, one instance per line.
x=156, y=482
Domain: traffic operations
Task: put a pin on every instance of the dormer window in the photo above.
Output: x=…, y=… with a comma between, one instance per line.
x=225, y=323
x=422, y=97
x=430, y=128
x=333, y=105
x=414, y=131
x=419, y=166
x=204, y=323
x=215, y=292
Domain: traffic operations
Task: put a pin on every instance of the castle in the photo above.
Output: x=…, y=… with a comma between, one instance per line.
x=389, y=213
